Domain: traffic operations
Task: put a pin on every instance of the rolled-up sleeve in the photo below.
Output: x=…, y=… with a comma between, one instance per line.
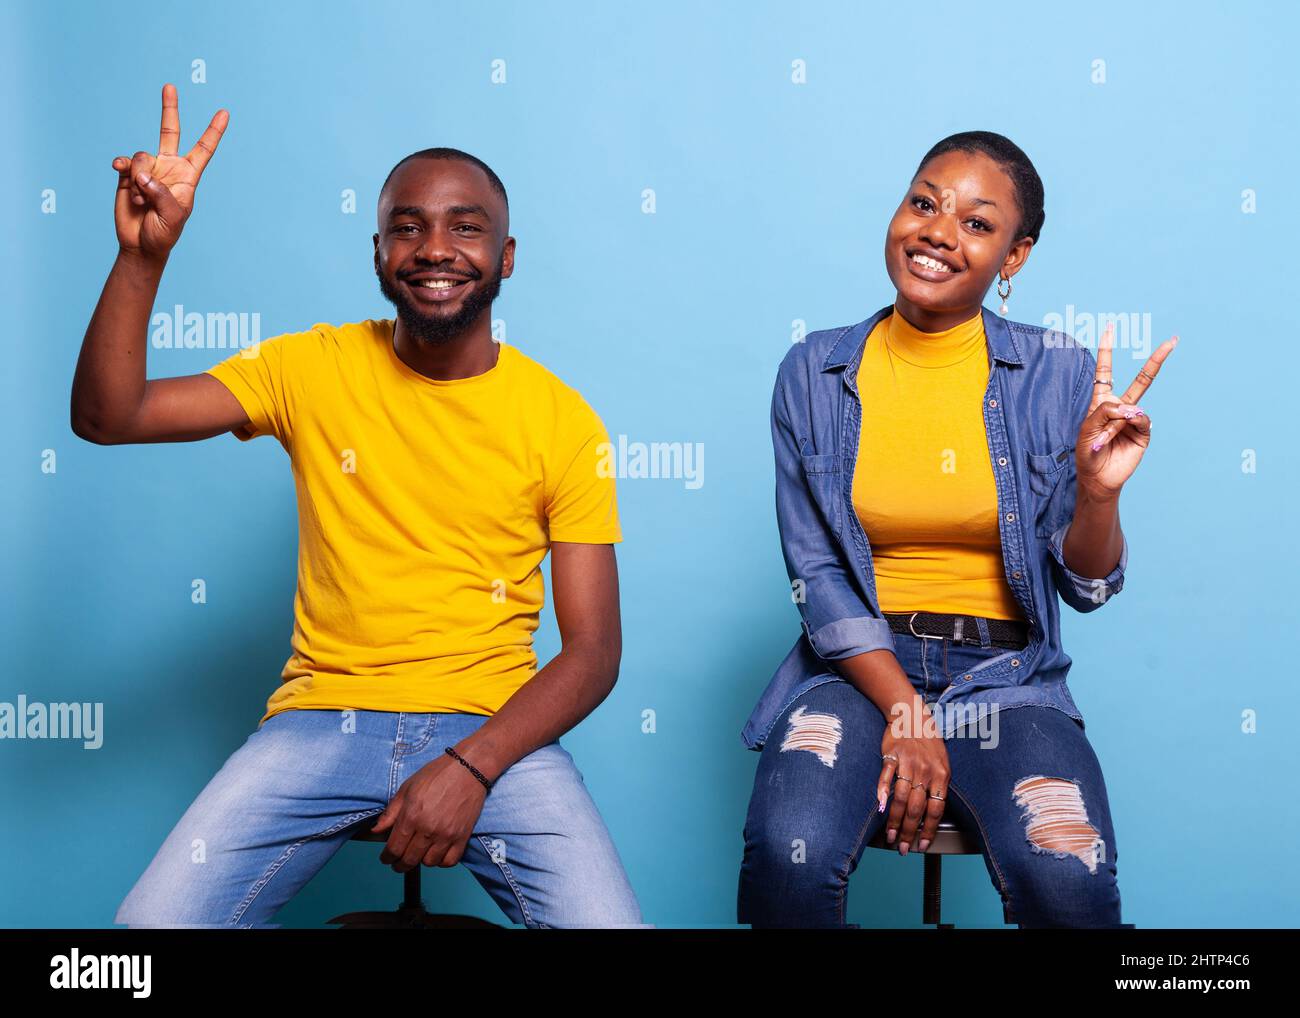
x=1083, y=593
x=837, y=620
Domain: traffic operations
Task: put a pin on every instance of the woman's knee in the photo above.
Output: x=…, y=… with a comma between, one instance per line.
x=800, y=857
x=787, y=881
x=1063, y=878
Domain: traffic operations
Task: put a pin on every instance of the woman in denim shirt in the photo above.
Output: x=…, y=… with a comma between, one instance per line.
x=894, y=717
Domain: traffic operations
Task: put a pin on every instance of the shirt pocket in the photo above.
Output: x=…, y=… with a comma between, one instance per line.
x=1048, y=473
x=822, y=472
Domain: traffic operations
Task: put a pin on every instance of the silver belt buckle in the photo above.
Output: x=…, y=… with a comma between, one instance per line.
x=911, y=626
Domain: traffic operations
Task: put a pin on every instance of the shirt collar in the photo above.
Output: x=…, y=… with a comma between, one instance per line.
x=849, y=346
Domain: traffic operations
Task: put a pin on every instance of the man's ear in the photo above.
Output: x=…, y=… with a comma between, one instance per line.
x=376, y=242
x=508, y=258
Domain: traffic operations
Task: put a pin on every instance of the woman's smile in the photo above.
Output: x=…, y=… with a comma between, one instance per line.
x=932, y=267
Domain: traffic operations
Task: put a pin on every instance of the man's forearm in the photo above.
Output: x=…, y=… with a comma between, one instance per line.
x=566, y=690
x=109, y=383
x=1094, y=542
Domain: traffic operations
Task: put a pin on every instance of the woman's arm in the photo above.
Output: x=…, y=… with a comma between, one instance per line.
x=1113, y=435
x=1094, y=541
x=1094, y=523
x=856, y=641
x=836, y=618
x=839, y=623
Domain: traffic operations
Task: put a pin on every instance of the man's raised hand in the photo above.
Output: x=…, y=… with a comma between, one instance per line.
x=155, y=193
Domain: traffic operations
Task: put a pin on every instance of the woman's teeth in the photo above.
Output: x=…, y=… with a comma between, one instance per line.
x=930, y=263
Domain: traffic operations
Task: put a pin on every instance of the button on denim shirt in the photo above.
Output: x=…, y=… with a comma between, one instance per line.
x=1040, y=384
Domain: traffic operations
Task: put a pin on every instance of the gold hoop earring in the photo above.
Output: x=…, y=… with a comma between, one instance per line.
x=1003, y=309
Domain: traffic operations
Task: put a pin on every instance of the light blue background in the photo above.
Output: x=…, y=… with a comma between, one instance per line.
x=772, y=202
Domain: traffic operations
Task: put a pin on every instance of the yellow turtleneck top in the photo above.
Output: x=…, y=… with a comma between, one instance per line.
x=923, y=485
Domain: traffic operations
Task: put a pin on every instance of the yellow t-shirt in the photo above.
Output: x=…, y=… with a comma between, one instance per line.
x=425, y=509
x=923, y=484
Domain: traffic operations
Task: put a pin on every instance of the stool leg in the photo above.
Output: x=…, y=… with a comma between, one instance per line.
x=411, y=889
x=932, y=892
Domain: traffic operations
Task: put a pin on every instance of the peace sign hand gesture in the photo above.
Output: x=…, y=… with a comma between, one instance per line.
x=155, y=193
x=1116, y=431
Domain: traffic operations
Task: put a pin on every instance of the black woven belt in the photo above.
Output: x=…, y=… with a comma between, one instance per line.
x=959, y=628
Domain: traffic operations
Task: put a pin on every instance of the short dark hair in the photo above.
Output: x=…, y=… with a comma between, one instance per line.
x=459, y=156
x=1004, y=152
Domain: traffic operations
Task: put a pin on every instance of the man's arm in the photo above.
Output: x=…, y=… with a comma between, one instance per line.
x=584, y=585
x=112, y=400
x=432, y=816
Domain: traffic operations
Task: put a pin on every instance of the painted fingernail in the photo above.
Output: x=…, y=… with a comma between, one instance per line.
x=925, y=843
x=1139, y=412
x=1129, y=415
x=882, y=803
x=143, y=178
x=893, y=831
x=1096, y=446
x=903, y=848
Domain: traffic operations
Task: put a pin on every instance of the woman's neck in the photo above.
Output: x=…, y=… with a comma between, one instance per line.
x=933, y=321
x=934, y=349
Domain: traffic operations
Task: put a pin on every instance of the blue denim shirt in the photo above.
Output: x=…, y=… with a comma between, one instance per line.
x=1039, y=388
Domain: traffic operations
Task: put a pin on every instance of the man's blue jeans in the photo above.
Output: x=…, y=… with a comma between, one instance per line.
x=286, y=801
x=1035, y=797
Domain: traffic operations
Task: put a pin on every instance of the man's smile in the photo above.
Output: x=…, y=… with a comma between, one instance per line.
x=435, y=287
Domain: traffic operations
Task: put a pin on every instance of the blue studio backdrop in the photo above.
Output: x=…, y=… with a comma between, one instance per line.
x=691, y=186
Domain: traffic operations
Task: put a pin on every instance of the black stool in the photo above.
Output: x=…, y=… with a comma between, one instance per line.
x=410, y=914
x=950, y=839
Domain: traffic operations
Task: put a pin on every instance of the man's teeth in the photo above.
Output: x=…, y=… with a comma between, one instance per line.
x=930, y=263
x=439, y=284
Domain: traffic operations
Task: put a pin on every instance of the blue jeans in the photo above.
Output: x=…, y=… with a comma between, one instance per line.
x=1030, y=787
x=286, y=801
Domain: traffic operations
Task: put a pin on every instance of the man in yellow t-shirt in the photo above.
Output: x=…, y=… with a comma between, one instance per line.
x=435, y=469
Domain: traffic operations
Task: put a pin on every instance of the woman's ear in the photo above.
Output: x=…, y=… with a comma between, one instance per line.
x=1016, y=257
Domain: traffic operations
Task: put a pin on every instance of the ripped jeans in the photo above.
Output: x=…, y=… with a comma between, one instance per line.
x=1025, y=779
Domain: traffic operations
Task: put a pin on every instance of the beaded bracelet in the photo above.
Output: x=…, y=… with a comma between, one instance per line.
x=472, y=769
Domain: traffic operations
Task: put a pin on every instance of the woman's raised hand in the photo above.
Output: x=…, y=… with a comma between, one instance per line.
x=1116, y=431
x=155, y=193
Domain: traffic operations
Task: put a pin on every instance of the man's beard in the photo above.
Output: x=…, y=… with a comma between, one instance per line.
x=435, y=328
